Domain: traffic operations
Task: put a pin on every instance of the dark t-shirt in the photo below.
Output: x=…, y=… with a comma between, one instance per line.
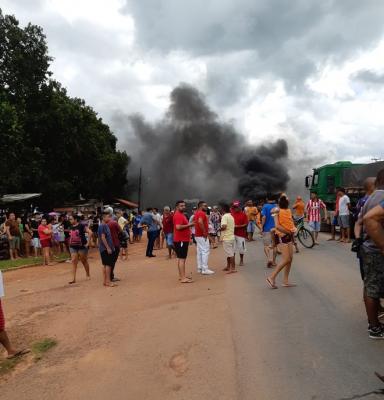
x=77, y=238
x=34, y=226
x=115, y=230
x=66, y=226
x=95, y=225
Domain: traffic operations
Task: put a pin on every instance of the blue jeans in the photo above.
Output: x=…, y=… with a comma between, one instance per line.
x=152, y=235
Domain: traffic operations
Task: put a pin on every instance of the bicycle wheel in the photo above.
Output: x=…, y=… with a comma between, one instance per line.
x=306, y=238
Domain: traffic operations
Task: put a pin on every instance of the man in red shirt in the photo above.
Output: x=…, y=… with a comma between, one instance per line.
x=241, y=223
x=201, y=236
x=115, y=229
x=181, y=238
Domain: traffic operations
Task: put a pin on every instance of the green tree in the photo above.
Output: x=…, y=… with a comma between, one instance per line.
x=55, y=144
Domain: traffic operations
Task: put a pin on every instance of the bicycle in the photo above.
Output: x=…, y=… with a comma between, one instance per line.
x=303, y=234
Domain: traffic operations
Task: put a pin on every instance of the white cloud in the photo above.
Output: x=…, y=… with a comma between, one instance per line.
x=289, y=75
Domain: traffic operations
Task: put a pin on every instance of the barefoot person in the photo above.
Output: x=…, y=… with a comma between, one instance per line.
x=4, y=339
x=228, y=238
x=106, y=248
x=241, y=223
x=284, y=230
x=78, y=245
x=181, y=238
x=344, y=216
x=267, y=224
x=45, y=236
x=13, y=232
x=251, y=210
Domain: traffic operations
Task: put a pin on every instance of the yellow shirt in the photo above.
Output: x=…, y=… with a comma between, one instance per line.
x=229, y=222
x=122, y=222
x=251, y=213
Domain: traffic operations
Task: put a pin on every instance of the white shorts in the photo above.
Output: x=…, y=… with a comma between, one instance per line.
x=229, y=247
x=36, y=243
x=240, y=245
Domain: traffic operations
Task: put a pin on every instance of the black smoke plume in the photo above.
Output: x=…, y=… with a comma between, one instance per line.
x=191, y=154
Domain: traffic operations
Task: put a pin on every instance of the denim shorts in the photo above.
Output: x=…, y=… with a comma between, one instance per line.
x=344, y=221
x=251, y=226
x=81, y=250
x=314, y=226
x=169, y=239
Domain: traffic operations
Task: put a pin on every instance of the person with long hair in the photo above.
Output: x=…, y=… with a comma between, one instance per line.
x=79, y=245
x=45, y=236
x=284, y=230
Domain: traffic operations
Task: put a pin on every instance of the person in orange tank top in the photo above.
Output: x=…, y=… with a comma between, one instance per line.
x=284, y=230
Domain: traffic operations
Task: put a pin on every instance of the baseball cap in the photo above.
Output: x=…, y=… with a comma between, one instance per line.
x=236, y=203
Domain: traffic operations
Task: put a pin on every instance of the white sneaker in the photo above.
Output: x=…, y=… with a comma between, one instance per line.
x=207, y=272
x=199, y=270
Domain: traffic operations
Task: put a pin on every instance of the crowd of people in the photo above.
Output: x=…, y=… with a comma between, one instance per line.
x=234, y=225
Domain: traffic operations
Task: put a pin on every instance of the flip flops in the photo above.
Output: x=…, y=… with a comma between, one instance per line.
x=19, y=354
x=271, y=284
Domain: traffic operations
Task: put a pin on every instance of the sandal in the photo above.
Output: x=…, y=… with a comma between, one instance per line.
x=271, y=284
x=19, y=354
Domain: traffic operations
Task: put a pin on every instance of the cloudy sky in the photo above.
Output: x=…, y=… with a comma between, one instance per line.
x=308, y=71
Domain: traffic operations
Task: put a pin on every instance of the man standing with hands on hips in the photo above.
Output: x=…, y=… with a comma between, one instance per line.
x=201, y=235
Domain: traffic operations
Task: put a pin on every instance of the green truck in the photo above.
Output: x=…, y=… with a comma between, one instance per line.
x=327, y=178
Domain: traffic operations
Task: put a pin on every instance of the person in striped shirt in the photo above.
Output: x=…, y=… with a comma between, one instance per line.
x=313, y=211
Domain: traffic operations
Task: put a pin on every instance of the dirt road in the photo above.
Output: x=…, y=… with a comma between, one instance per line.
x=223, y=337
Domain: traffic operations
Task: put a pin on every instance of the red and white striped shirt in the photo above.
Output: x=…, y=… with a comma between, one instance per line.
x=313, y=210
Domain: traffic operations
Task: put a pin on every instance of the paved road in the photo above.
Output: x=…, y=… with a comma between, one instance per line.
x=308, y=342
x=222, y=338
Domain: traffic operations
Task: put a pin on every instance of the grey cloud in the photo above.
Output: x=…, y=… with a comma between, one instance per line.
x=289, y=40
x=368, y=76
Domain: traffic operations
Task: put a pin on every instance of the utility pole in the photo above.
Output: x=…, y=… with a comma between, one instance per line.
x=140, y=188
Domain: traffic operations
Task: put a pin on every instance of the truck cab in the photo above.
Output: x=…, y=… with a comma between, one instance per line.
x=326, y=179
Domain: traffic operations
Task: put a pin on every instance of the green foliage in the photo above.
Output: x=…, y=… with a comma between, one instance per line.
x=42, y=346
x=21, y=262
x=51, y=143
x=8, y=365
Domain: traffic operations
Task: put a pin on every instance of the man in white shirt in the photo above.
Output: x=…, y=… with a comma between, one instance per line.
x=344, y=211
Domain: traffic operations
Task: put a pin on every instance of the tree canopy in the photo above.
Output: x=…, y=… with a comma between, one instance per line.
x=50, y=143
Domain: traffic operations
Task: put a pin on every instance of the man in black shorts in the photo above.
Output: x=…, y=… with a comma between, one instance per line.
x=181, y=239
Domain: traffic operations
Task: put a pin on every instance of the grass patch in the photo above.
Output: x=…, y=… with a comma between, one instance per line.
x=42, y=346
x=8, y=365
x=10, y=264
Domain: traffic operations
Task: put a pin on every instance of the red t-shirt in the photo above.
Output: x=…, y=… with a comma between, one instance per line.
x=183, y=235
x=198, y=231
x=115, y=230
x=168, y=223
x=42, y=235
x=240, y=219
